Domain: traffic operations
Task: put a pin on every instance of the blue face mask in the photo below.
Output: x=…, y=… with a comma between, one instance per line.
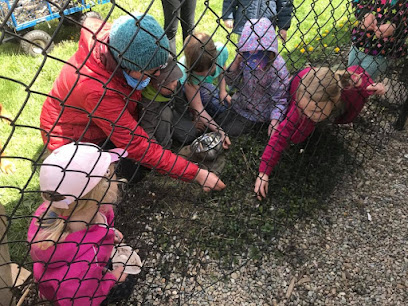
x=135, y=83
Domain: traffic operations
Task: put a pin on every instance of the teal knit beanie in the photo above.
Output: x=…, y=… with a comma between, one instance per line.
x=138, y=42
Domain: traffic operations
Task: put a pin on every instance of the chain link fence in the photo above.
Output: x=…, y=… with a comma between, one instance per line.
x=229, y=80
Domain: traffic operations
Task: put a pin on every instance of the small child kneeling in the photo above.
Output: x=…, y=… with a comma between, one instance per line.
x=203, y=64
x=164, y=113
x=72, y=237
x=155, y=113
x=316, y=93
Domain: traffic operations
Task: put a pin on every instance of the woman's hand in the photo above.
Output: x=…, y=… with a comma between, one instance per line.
x=209, y=181
x=261, y=185
x=377, y=89
x=272, y=127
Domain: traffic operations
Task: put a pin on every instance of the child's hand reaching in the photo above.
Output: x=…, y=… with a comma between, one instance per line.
x=261, y=185
x=272, y=127
x=226, y=142
x=209, y=181
x=377, y=89
x=118, y=236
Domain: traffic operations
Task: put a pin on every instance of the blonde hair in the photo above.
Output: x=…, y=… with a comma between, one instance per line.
x=200, y=52
x=323, y=85
x=54, y=229
x=320, y=85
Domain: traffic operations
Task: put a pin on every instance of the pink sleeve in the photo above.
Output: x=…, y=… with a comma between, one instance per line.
x=294, y=128
x=354, y=98
x=279, y=141
x=365, y=80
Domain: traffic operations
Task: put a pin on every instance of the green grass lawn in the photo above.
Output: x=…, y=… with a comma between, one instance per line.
x=318, y=29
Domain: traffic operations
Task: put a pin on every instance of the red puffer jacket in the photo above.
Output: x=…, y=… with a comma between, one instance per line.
x=91, y=101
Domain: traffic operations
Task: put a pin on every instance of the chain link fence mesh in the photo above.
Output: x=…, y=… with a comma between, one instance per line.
x=188, y=240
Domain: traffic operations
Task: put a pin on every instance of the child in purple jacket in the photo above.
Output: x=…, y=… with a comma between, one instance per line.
x=261, y=78
x=71, y=235
x=315, y=94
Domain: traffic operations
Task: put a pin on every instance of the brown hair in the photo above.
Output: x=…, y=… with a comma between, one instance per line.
x=200, y=52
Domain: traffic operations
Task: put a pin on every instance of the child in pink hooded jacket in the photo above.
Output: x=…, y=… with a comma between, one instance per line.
x=315, y=93
x=71, y=235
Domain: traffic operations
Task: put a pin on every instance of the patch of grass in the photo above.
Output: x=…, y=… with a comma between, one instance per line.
x=322, y=31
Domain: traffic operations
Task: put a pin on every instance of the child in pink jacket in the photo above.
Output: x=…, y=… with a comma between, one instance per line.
x=315, y=93
x=71, y=235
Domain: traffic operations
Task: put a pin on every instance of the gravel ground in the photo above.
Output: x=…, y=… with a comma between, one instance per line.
x=355, y=252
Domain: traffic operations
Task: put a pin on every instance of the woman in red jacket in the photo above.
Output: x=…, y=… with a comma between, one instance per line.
x=94, y=99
